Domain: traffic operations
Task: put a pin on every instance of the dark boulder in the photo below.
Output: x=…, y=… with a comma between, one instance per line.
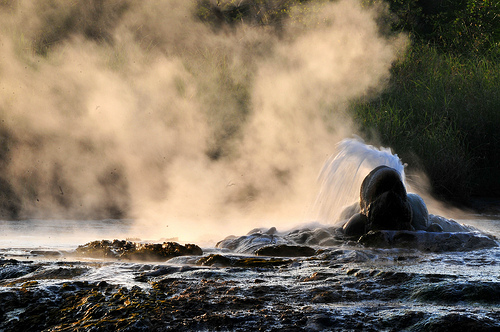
x=283, y=250
x=137, y=251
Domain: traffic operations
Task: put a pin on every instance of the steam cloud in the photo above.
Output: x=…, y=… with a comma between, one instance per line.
x=139, y=109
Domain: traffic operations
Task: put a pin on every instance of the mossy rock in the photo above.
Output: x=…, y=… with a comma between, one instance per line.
x=137, y=251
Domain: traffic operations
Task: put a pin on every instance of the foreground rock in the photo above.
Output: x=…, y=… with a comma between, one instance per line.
x=296, y=285
x=255, y=293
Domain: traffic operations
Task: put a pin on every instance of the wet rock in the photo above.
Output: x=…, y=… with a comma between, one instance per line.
x=434, y=228
x=250, y=243
x=30, y=283
x=257, y=239
x=405, y=321
x=316, y=276
x=420, y=214
x=268, y=231
x=46, y=253
x=97, y=249
x=248, y=262
x=334, y=257
x=137, y=251
x=428, y=241
x=163, y=251
x=167, y=285
x=383, y=200
x=458, y=323
x=215, y=260
x=8, y=261
x=161, y=271
x=320, y=322
x=436, y=277
x=102, y=284
x=14, y=270
x=449, y=225
x=433, y=239
x=331, y=242
x=254, y=292
x=300, y=236
x=320, y=234
x=355, y=226
x=452, y=292
x=61, y=273
x=326, y=297
x=393, y=278
x=284, y=250
x=377, y=239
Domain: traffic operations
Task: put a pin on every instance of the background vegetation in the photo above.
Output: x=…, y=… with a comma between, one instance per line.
x=441, y=112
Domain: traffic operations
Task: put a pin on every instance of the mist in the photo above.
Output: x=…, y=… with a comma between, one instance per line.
x=147, y=111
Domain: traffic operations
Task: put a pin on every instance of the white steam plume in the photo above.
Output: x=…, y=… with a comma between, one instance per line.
x=143, y=110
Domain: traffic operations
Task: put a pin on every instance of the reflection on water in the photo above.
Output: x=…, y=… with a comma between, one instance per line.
x=491, y=224
x=59, y=233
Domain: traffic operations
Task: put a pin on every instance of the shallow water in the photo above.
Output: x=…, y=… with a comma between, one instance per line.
x=58, y=233
x=342, y=287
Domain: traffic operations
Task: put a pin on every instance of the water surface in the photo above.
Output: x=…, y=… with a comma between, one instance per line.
x=341, y=287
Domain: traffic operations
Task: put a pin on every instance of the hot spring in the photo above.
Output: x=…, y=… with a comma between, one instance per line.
x=163, y=169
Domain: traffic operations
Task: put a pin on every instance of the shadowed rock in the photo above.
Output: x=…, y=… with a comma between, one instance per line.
x=383, y=200
x=428, y=241
x=284, y=250
x=247, y=262
x=385, y=205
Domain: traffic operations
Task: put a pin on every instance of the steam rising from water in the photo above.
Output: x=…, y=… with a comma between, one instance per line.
x=140, y=110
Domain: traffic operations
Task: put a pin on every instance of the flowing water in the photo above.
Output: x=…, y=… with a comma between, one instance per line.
x=343, y=286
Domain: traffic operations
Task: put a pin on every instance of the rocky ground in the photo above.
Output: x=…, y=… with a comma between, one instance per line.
x=279, y=286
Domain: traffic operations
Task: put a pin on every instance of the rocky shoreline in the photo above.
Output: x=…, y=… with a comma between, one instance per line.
x=224, y=304
x=287, y=288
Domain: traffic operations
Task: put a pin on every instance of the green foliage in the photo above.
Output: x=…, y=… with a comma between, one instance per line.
x=469, y=27
x=441, y=111
x=261, y=12
x=94, y=19
x=465, y=27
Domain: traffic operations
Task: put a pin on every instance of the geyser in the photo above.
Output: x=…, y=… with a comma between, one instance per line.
x=342, y=176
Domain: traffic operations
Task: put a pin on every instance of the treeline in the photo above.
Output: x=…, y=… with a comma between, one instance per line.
x=441, y=112
x=469, y=28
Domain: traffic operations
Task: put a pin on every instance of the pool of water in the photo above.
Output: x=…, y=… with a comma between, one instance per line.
x=341, y=287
